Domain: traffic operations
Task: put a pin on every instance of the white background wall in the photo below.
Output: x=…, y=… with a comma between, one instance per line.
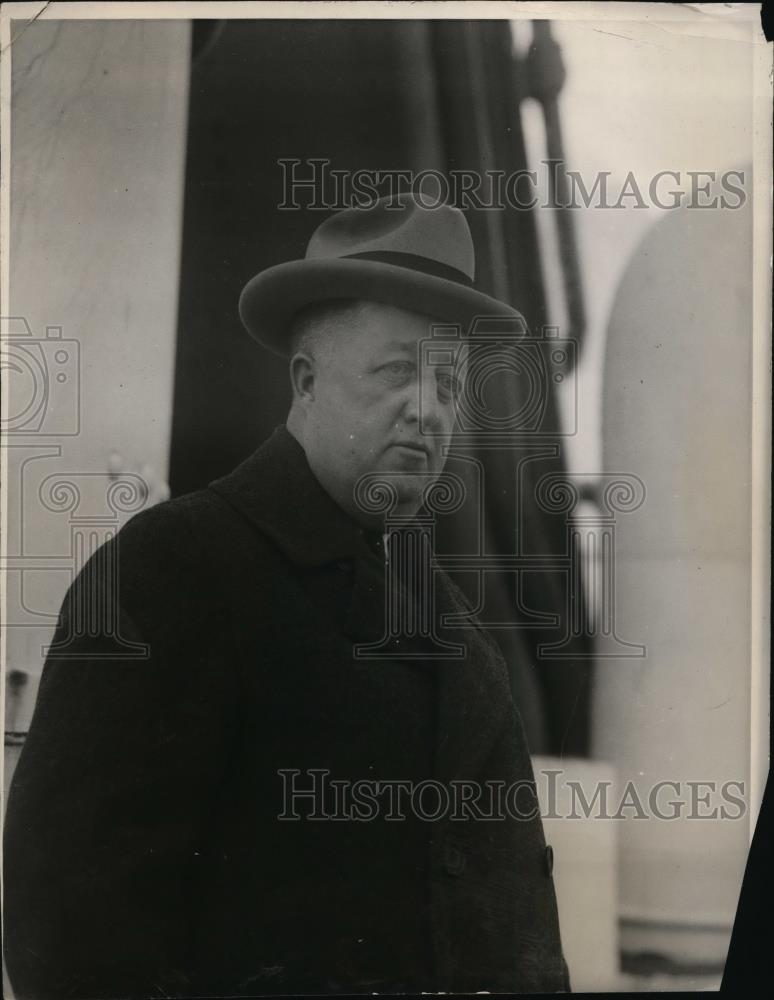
x=98, y=139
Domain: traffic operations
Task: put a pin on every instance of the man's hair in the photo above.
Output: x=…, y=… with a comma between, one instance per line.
x=311, y=326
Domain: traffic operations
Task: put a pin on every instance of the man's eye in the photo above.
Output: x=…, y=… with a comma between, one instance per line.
x=448, y=386
x=397, y=369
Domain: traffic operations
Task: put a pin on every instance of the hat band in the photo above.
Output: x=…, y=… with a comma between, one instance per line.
x=414, y=262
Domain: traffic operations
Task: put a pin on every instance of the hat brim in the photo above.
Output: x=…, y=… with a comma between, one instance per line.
x=270, y=300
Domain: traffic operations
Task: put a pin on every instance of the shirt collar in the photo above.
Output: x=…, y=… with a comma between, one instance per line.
x=277, y=491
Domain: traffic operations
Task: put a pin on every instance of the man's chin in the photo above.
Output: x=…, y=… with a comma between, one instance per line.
x=409, y=487
x=409, y=475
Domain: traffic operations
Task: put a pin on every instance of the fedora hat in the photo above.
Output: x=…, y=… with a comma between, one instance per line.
x=397, y=252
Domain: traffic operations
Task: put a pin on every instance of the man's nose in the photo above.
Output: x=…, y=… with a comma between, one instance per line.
x=423, y=405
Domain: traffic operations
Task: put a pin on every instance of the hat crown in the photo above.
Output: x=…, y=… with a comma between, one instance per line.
x=398, y=224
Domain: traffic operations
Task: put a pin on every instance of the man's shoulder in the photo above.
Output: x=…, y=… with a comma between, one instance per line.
x=172, y=566
x=179, y=515
x=268, y=515
x=188, y=527
x=168, y=525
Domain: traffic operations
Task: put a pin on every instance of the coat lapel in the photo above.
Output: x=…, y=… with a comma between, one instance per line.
x=385, y=618
x=473, y=689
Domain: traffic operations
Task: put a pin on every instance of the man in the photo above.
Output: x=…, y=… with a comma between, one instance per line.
x=168, y=832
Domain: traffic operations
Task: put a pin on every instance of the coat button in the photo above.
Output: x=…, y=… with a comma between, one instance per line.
x=454, y=861
x=549, y=860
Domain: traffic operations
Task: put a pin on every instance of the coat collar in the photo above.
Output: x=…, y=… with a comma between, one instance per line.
x=278, y=492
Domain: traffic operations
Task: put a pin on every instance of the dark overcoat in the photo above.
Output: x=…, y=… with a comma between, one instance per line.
x=144, y=851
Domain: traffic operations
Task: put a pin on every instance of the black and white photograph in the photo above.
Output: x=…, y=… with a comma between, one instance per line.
x=386, y=483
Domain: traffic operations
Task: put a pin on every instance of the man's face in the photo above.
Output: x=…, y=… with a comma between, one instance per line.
x=376, y=406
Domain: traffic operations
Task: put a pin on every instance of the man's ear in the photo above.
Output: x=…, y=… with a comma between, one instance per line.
x=302, y=375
